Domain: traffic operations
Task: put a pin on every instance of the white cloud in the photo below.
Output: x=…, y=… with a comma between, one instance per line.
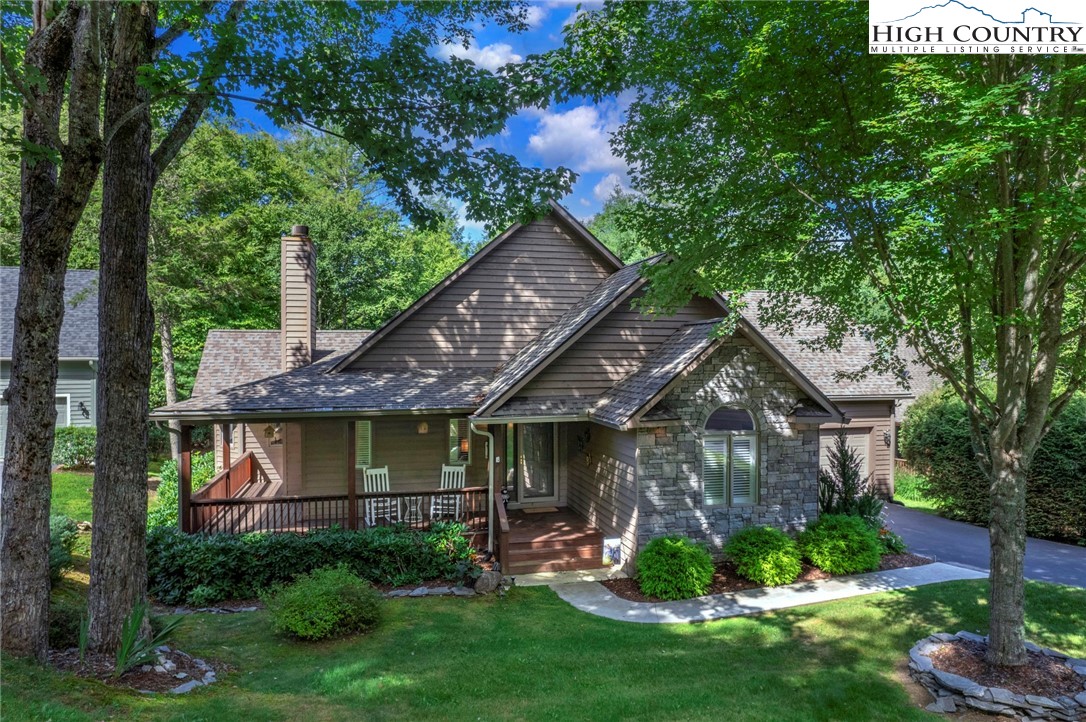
x=535, y=15
x=491, y=57
x=577, y=138
x=607, y=186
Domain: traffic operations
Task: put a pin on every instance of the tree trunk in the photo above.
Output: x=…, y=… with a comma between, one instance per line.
x=1007, y=533
x=118, y=580
x=51, y=204
x=169, y=373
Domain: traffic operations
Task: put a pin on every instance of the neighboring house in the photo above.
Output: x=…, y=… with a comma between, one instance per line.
x=77, y=371
x=873, y=404
x=531, y=369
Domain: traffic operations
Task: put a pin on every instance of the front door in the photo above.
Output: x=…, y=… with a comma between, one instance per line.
x=537, y=480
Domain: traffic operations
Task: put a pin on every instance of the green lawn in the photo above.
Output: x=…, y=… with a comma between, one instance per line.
x=531, y=656
x=72, y=494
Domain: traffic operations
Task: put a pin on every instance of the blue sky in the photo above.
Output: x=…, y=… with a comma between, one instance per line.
x=572, y=134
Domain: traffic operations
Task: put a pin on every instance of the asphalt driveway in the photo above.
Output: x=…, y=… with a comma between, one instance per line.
x=967, y=545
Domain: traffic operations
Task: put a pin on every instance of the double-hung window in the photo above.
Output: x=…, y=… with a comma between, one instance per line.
x=459, y=441
x=730, y=458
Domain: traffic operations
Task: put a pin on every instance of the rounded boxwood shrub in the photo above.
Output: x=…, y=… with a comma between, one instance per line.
x=73, y=447
x=326, y=603
x=841, y=544
x=765, y=555
x=674, y=567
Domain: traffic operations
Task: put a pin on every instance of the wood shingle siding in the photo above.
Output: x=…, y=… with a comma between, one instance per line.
x=602, y=480
x=488, y=314
x=613, y=349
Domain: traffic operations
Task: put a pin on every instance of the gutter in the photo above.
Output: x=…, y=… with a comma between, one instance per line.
x=489, y=486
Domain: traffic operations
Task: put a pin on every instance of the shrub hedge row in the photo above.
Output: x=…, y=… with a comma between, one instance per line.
x=201, y=569
x=935, y=440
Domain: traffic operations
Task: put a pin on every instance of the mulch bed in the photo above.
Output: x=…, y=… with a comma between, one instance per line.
x=100, y=666
x=726, y=578
x=1042, y=675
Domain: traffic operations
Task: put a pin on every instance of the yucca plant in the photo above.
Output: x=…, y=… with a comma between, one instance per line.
x=136, y=649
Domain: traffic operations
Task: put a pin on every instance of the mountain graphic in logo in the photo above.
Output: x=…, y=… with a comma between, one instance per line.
x=968, y=13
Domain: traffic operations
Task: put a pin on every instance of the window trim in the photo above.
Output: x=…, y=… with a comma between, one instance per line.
x=67, y=409
x=728, y=437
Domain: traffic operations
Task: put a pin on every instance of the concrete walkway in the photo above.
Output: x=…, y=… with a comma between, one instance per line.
x=967, y=545
x=594, y=598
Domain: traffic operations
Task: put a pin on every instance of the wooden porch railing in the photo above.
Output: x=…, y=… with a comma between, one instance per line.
x=240, y=515
x=502, y=519
x=230, y=481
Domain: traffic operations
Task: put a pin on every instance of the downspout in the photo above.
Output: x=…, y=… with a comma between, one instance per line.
x=489, y=486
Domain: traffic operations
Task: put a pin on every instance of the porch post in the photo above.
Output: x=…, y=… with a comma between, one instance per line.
x=352, y=491
x=225, y=431
x=184, y=479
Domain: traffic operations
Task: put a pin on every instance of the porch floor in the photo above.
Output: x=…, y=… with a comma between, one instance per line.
x=552, y=541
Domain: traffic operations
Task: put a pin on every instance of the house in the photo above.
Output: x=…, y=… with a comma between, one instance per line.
x=873, y=403
x=577, y=420
x=77, y=371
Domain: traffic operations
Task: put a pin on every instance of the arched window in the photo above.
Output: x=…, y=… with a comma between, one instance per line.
x=730, y=468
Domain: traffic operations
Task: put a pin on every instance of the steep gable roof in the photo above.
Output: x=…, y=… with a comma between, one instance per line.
x=606, y=262
x=579, y=318
x=78, y=332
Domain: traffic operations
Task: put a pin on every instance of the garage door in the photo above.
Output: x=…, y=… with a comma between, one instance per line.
x=859, y=440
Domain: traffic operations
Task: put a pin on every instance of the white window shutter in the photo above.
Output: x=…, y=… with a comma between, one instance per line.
x=744, y=470
x=362, y=444
x=714, y=469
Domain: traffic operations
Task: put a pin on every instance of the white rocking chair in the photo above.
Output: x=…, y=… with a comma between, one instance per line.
x=448, y=506
x=375, y=481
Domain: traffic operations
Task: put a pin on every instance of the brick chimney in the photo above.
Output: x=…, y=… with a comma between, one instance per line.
x=298, y=299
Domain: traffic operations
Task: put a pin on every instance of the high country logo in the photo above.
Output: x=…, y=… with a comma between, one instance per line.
x=979, y=27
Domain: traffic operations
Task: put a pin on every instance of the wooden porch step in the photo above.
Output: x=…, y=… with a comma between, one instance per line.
x=585, y=551
x=579, y=537
x=554, y=565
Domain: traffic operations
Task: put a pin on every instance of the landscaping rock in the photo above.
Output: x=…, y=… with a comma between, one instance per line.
x=943, y=636
x=1081, y=699
x=943, y=705
x=959, y=684
x=181, y=675
x=1005, y=696
x=987, y=706
x=463, y=592
x=399, y=592
x=438, y=591
x=487, y=582
x=972, y=637
x=420, y=592
x=186, y=687
x=1042, y=702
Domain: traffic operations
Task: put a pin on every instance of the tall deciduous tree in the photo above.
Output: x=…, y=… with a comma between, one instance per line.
x=366, y=68
x=939, y=200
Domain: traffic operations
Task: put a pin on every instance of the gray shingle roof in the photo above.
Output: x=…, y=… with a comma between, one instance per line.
x=618, y=405
x=823, y=366
x=566, y=327
x=232, y=357
x=78, y=333
x=520, y=406
x=309, y=390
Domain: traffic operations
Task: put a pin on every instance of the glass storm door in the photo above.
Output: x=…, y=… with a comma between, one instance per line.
x=537, y=480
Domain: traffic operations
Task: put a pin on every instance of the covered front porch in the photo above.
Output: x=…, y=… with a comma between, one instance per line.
x=301, y=475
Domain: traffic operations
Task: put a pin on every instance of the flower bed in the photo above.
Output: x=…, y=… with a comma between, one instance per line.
x=726, y=578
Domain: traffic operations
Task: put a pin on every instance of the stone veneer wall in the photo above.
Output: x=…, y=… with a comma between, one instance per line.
x=669, y=458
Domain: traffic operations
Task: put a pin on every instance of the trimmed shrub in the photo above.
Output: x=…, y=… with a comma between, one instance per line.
x=935, y=440
x=326, y=603
x=765, y=555
x=674, y=567
x=841, y=544
x=163, y=511
x=63, y=534
x=202, y=569
x=74, y=446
